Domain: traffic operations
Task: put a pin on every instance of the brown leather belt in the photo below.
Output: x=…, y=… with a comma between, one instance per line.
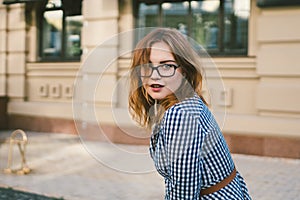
x=219, y=185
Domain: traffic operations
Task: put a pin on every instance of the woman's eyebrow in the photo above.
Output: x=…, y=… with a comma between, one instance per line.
x=165, y=61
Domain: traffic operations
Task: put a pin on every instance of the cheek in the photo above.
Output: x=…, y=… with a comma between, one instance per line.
x=174, y=83
x=144, y=81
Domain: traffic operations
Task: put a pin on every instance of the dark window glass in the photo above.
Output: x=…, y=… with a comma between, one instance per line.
x=73, y=36
x=147, y=17
x=175, y=15
x=61, y=31
x=52, y=33
x=205, y=20
x=220, y=26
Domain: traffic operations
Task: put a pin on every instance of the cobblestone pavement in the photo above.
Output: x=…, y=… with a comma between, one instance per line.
x=63, y=166
x=12, y=194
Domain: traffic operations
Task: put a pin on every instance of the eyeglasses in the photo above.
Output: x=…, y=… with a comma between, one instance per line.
x=164, y=70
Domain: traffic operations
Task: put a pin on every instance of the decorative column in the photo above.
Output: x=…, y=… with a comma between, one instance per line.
x=3, y=65
x=16, y=52
x=94, y=88
x=12, y=56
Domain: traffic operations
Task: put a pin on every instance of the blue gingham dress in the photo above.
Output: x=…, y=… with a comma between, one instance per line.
x=190, y=152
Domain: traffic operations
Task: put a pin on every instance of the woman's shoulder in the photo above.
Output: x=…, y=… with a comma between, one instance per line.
x=192, y=105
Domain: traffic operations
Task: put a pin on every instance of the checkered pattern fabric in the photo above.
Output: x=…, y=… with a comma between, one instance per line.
x=190, y=152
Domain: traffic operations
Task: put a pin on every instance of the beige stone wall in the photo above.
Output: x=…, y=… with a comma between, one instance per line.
x=260, y=94
x=278, y=62
x=12, y=52
x=3, y=49
x=12, y=55
x=278, y=66
x=261, y=91
x=34, y=89
x=264, y=88
x=99, y=65
x=48, y=88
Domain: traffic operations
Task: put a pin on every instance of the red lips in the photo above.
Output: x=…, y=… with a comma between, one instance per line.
x=156, y=87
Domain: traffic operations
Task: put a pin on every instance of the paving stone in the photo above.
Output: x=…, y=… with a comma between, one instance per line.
x=63, y=166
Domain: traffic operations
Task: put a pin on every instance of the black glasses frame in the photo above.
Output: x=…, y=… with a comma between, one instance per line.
x=157, y=69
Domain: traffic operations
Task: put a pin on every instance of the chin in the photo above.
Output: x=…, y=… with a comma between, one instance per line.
x=157, y=96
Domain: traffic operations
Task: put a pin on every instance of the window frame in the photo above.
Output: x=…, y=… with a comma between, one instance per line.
x=220, y=52
x=62, y=57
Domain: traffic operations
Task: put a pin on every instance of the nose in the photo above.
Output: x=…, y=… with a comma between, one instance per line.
x=155, y=75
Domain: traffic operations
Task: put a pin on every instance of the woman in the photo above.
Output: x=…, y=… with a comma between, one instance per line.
x=186, y=144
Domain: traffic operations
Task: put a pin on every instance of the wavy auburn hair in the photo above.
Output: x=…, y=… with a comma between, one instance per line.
x=140, y=102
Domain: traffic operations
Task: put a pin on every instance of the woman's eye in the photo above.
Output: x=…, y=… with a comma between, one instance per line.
x=167, y=67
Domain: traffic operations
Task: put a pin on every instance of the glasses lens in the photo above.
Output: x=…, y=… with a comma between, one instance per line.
x=166, y=70
x=146, y=70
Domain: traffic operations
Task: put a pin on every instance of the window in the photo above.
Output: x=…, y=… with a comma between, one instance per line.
x=220, y=26
x=60, y=38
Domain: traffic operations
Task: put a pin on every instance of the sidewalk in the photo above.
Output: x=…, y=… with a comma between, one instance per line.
x=63, y=166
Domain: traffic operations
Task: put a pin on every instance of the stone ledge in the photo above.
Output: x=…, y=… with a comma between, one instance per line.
x=272, y=146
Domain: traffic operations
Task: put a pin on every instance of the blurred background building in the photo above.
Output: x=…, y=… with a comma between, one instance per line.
x=254, y=43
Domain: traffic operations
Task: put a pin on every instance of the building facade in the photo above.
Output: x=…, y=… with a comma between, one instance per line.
x=48, y=59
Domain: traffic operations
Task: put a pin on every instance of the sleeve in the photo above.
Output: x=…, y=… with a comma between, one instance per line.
x=182, y=147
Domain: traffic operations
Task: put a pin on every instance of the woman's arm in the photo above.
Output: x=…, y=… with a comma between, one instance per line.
x=183, y=143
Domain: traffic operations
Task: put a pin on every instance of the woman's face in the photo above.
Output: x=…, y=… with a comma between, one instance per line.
x=156, y=86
